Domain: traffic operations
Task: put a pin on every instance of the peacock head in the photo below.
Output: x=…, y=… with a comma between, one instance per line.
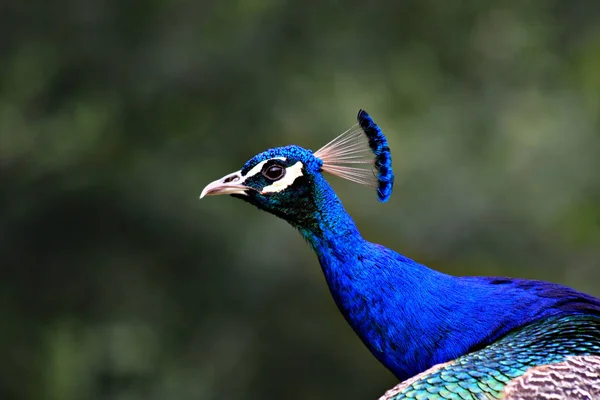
x=286, y=181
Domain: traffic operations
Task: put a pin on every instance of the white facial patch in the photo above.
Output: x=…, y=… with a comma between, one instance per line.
x=258, y=167
x=291, y=173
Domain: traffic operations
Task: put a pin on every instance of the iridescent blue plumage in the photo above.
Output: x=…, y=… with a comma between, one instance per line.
x=409, y=316
x=383, y=157
x=293, y=152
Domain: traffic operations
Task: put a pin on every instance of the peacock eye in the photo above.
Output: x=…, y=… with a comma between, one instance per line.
x=274, y=172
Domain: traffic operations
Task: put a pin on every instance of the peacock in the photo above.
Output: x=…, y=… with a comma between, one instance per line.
x=442, y=336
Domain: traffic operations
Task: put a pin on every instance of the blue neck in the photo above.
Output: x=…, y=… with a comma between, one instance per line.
x=408, y=315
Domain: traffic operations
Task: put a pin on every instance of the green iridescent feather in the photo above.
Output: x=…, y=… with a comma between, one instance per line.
x=484, y=374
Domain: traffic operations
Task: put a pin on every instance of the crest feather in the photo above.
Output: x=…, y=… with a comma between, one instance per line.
x=350, y=156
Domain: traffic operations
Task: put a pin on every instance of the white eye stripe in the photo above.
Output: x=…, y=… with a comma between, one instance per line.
x=291, y=173
x=258, y=167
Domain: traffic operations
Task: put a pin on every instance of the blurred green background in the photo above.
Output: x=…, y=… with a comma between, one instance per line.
x=117, y=283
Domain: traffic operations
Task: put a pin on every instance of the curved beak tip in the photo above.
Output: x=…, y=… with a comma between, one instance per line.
x=212, y=188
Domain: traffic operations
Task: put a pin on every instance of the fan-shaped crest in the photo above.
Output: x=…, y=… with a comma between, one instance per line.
x=350, y=156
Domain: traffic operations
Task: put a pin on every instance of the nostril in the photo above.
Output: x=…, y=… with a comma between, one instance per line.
x=231, y=178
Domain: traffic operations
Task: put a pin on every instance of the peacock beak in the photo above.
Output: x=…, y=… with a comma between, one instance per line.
x=230, y=184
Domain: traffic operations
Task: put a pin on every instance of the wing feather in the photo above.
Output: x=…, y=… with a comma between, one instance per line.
x=554, y=359
x=578, y=377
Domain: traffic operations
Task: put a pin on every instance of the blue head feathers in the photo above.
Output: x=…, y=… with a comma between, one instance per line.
x=292, y=152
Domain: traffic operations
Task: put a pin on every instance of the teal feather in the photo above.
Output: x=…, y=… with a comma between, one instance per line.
x=485, y=374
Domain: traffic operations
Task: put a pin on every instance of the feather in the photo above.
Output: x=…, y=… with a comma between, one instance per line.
x=545, y=360
x=403, y=386
x=383, y=156
x=350, y=156
x=577, y=377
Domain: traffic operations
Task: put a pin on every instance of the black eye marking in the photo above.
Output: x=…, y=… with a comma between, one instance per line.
x=273, y=172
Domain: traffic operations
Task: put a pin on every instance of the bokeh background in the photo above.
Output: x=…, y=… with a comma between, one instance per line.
x=117, y=283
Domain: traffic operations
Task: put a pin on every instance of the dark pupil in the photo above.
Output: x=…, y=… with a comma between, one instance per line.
x=274, y=172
